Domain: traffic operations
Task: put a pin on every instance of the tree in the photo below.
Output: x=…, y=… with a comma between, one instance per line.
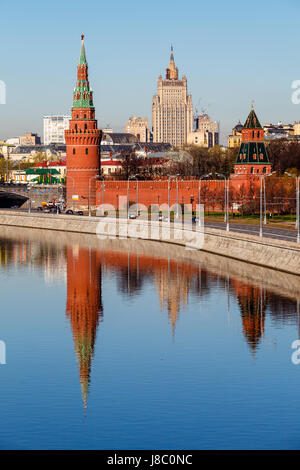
x=284, y=154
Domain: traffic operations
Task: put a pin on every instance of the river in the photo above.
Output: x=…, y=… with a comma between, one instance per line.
x=140, y=345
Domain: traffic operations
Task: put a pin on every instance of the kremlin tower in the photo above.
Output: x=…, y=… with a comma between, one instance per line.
x=83, y=140
x=252, y=158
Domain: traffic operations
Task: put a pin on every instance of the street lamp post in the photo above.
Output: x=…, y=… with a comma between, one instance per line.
x=297, y=178
x=177, y=195
x=90, y=179
x=199, y=197
x=298, y=209
x=101, y=178
x=265, y=198
x=137, y=194
x=226, y=202
x=265, y=203
x=71, y=177
x=260, y=206
x=29, y=203
x=169, y=215
x=59, y=198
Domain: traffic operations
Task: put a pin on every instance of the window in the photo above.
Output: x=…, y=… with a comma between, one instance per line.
x=74, y=151
x=86, y=151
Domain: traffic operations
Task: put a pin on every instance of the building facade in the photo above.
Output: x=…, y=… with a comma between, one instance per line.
x=235, y=139
x=205, y=133
x=172, y=108
x=54, y=129
x=30, y=139
x=252, y=158
x=139, y=127
x=83, y=140
x=203, y=138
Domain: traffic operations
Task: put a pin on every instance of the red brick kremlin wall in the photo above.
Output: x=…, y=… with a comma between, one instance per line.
x=156, y=192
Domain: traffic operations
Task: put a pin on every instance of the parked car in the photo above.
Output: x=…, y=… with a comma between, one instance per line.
x=132, y=216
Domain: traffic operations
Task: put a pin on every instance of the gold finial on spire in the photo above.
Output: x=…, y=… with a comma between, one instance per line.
x=252, y=105
x=82, y=37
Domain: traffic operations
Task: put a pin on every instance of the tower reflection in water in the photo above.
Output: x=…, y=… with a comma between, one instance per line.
x=252, y=302
x=84, y=307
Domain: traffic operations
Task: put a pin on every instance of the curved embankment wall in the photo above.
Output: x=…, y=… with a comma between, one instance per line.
x=275, y=254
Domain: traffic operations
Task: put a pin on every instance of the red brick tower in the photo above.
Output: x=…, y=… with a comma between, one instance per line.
x=252, y=158
x=83, y=140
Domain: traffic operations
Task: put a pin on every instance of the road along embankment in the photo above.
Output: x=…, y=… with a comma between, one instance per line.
x=275, y=254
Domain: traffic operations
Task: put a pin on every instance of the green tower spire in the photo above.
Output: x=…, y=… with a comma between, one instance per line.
x=252, y=122
x=82, y=58
x=83, y=95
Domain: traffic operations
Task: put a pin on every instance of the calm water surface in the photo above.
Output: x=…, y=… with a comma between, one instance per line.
x=108, y=348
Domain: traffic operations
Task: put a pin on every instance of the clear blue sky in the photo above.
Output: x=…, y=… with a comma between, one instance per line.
x=231, y=52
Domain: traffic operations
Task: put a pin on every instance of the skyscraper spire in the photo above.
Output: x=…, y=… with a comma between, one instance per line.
x=172, y=70
x=172, y=55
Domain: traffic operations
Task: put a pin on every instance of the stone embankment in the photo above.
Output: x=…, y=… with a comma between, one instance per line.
x=275, y=254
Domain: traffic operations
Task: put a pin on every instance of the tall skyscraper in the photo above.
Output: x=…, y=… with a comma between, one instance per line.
x=83, y=140
x=172, y=108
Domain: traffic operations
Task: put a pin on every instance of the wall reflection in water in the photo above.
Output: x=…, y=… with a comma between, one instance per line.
x=175, y=282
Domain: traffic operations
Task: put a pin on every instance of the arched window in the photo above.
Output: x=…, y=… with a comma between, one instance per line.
x=74, y=151
x=264, y=169
x=86, y=151
x=252, y=170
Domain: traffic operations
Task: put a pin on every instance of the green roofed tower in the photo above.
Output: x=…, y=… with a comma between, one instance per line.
x=253, y=156
x=83, y=140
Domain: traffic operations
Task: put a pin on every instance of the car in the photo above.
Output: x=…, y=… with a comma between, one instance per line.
x=132, y=216
x=69, y=212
